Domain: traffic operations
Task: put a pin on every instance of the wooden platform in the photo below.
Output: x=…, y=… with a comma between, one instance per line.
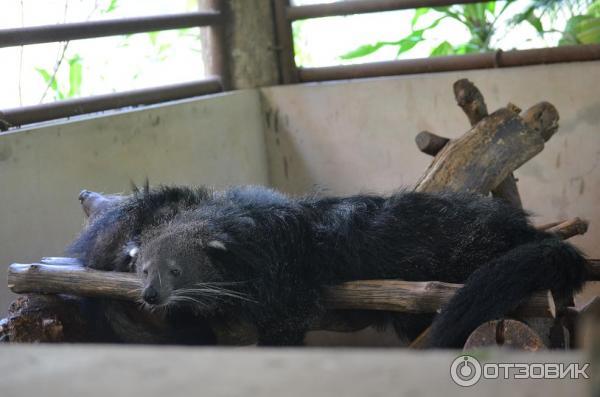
x=112, y=371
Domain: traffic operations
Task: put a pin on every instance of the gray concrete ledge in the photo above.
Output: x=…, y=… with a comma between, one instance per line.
x=111, y=371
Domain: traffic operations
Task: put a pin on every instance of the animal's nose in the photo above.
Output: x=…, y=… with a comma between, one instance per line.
x=150, y=295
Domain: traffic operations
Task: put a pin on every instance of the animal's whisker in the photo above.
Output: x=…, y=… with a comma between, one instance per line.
x=213, y=293
x=218, y=292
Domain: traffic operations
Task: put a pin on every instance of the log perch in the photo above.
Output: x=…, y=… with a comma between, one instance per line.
x=484, y=156
x=471, y=101
x=389, y=295
x=481, y=154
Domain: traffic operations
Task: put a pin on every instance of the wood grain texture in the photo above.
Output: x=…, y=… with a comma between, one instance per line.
x=484, y=156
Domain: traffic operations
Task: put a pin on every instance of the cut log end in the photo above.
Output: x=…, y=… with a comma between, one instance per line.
x=570, y=228
x=471, y=101
x=430, y=143
x=542, y=118
x=506, y=333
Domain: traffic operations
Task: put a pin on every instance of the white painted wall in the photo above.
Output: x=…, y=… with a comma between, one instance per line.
x=216, y=140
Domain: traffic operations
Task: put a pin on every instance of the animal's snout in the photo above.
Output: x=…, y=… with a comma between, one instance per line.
x=150, y=295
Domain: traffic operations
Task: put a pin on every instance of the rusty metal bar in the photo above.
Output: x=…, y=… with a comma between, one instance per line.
x=112, y=27
x=498, y=59
x=73, y=107
x=285, y=42
x=363, y=7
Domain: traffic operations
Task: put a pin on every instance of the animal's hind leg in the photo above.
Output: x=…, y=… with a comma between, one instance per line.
x=500, y=285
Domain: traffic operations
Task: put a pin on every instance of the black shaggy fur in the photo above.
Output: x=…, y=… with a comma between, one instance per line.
x=106, y=244
x=256, y=254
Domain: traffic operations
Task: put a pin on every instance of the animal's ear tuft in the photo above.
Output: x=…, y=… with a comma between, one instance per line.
x=217, y=245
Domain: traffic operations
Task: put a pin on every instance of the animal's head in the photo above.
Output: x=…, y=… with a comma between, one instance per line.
x=176, y=266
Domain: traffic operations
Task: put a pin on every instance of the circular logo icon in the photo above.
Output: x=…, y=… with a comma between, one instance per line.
x=465, y=371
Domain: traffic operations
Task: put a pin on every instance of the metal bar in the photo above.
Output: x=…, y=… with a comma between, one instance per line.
x=113, y=27
x=285, y=43
x=73, y=107
x=590, y=52
x=363, y=7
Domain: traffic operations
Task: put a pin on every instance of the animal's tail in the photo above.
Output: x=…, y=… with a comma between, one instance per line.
x=500, y=285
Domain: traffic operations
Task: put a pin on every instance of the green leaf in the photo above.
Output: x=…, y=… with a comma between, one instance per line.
x=467, y=48
x=48, y=79
x=419, y=12
x=449, y=13
x=75, y=75
x=410, y=41
x=52, y=82
x=445, y=48
x=153, y=37
x=363, y=50
x=588, y=31
x=536, y=23
x=594, y=9
x=573, y=30
x=111, y=7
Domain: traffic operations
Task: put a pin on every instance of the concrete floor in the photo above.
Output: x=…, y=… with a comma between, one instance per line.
x=111, y=371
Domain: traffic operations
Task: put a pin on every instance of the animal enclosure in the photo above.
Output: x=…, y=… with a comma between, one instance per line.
x=521, y=126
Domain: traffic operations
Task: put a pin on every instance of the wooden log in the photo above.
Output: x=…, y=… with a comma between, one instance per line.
x=389, y=295
x=73, y=280
x=46, y=318
x=413, y=297
x=508, y=190
x=594, y=269
x=506, y=333
x=430, y=143
x=487, y=154
x=570, y=228
x=471, y=101
x=546, y=226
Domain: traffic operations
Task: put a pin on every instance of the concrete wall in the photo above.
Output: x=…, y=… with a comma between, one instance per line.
x=351, y=136
x=216, y=140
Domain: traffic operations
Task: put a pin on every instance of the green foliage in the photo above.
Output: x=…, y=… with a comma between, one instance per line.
x=50, y=81
x=481, y=19
x=583, y=29
x=73, y=89
x=112, y=5
x=403, y=44
x=75, y=73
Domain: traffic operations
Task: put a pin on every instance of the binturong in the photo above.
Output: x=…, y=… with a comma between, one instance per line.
x=266, y=260
x=176, y=267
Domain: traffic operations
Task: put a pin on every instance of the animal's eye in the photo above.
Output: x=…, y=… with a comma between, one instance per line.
x=175, y=272
x=145, y=272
